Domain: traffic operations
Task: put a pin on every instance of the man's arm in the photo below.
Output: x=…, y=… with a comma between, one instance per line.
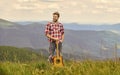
x=49, y=36
x=47, y=32
x=62, y=31
x=62, y=38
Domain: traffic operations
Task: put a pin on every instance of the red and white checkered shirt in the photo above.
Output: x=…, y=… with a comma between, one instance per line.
x=55, y=30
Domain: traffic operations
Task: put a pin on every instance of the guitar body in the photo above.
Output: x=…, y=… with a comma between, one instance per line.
x=58, y=61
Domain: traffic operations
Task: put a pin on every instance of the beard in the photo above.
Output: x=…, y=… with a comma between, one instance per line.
x=55, y=20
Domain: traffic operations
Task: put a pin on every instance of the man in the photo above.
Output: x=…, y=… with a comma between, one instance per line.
x=55, y=33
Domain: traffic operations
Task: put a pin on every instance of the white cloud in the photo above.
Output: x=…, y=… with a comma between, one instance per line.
x=26, y=0
x=51, y=0
x=56, y=6
x=26, y=6
x=104, y=1
x=87, y=11
x=113, y=9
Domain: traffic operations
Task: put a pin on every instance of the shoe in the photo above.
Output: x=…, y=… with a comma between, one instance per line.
x=50, y=59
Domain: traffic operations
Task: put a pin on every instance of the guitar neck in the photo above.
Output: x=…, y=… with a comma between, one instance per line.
x=57, y=50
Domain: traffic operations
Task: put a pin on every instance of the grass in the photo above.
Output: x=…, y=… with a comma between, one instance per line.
x=71, y=68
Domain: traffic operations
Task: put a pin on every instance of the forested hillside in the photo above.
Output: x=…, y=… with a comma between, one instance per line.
x=8, y=53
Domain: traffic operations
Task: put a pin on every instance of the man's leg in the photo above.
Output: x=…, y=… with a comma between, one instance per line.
x=60, y=48
x=51, y=51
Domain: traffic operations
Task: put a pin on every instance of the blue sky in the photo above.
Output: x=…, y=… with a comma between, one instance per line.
x=80, y=11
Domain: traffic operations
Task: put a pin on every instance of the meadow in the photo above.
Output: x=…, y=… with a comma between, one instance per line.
x=35, y=64
x=87, y=67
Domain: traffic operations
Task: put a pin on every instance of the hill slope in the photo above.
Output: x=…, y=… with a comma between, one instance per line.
x=14, y=54
x=5, y=23
x=80, y=43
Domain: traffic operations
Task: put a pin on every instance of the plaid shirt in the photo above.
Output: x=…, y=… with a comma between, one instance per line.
x=54, y=30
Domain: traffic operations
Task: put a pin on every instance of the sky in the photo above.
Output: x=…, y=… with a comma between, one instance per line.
x=71, y=11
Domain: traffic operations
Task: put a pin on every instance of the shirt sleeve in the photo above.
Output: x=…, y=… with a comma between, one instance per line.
x=62, y=29
x=47, y=29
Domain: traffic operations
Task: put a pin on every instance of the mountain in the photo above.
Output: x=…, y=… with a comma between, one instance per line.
x=5, y=23
x=78, y=43
x=30, y=22
x=75, y=26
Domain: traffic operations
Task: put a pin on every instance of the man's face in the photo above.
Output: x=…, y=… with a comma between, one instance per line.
x=55, y=18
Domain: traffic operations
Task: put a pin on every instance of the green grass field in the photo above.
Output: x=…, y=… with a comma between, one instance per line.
x=21, y=61
x=70, y=68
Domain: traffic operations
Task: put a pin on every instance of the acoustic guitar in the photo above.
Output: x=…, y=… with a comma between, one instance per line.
x=58, y=59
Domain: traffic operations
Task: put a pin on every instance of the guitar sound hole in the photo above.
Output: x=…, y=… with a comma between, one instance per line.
x=58, y=61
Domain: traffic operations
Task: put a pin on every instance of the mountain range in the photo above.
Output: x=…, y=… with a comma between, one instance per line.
x=76, y=26
x=81, y=41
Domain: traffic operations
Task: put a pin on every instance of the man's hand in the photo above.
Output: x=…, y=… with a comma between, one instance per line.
x=61, y=40
x=49, y=36
x=56, y=39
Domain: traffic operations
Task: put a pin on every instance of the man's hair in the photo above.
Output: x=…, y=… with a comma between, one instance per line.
x=56, y=13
